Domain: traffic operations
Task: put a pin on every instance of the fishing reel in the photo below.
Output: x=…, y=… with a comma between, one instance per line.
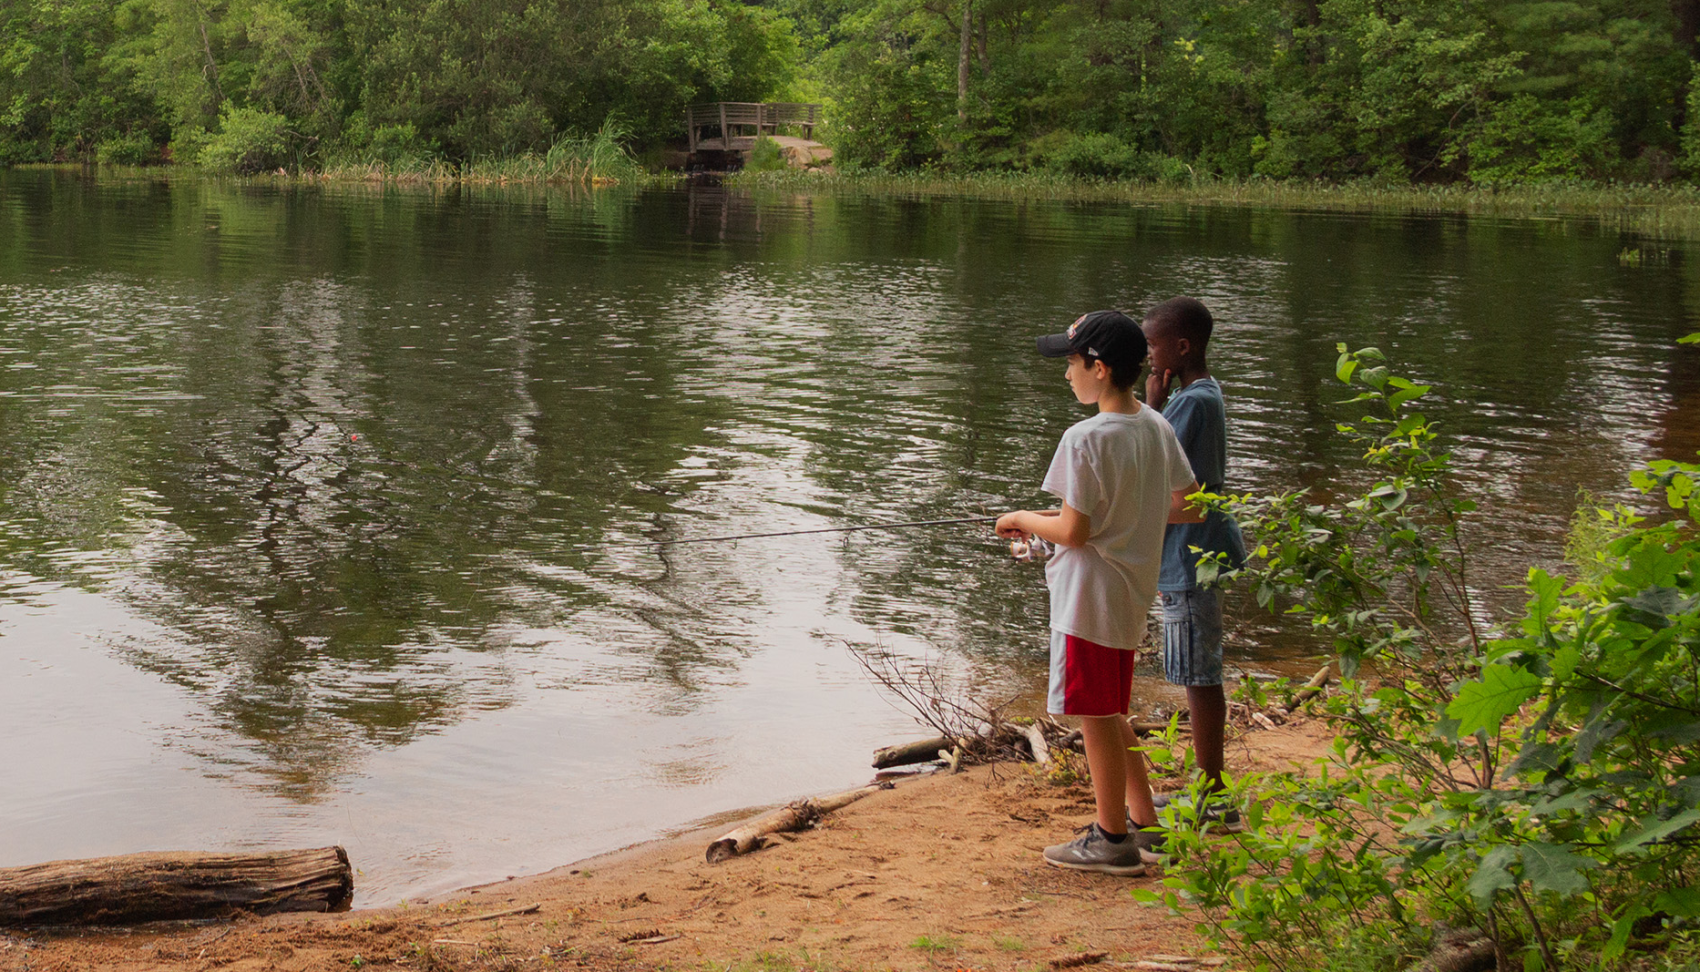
x=1031, y=550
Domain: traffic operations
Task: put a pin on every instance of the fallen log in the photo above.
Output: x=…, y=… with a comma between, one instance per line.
x=799, y=815
x=174, y=885
x=922, y=751
x=1311, y=689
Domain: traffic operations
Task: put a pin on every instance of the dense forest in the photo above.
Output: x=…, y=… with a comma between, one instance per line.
x=1483, y=91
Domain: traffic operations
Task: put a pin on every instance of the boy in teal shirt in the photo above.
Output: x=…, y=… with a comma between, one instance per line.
x=1178, y=331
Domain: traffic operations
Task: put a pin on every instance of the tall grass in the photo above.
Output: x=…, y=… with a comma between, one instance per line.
x=1666, y=212
x=596, y=159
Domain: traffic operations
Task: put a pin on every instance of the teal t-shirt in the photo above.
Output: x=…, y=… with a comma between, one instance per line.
x=1200, y=421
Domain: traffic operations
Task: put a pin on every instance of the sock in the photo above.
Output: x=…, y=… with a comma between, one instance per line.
x=1112, y=838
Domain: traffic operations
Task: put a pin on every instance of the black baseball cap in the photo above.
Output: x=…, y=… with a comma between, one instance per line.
x=1106, y=335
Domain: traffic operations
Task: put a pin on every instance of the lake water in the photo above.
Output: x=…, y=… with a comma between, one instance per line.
x=310, y=498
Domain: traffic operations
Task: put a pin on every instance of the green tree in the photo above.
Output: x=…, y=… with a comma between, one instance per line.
x=60, y=92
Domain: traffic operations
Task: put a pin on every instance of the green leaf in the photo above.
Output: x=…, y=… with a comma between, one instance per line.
x=1344, y=368
x=1681, y=902
x=1655, y=606
x=1596, y=730
x=1407, y=395
x=1620, y=930
x=1549, y=867
x=1655, y=829
x=1493, y=875
x=1485, y=704
x=1689, y=338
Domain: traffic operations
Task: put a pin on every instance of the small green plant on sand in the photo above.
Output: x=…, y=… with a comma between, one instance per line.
x=942, y=943
x=1535, y=785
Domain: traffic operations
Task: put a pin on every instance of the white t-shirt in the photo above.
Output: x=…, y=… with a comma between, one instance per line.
x=1119, y=469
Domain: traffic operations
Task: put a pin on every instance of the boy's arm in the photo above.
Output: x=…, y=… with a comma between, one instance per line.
x=1067, y=527
x=1180, y=511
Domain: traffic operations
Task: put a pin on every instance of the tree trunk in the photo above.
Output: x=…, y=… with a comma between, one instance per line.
x=965, y=51
x=171, y=885
x=1687, y=25
x=985, y=44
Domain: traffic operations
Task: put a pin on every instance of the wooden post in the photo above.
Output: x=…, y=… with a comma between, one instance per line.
x=725, y=135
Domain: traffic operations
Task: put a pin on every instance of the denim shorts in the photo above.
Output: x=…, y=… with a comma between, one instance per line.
x=1192, y=637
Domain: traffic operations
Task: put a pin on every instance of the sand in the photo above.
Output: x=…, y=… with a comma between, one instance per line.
x=942, y=872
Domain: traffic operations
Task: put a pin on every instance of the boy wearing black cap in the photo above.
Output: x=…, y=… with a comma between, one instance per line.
x=1122, y=478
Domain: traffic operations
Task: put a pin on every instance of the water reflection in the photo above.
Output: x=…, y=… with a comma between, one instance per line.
x=343, y=475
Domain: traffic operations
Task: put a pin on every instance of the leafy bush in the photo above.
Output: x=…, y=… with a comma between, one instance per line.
x=397, y=144
x=766, y=156
x=1103, y=156
x=1540, y=785
x=1529, y=140
x=248, y=140
x=136, y=148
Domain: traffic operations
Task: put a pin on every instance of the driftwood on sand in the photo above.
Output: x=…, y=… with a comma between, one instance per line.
x=799, y=815
x=921, y=751
x=174, y=885
x=1311, y=690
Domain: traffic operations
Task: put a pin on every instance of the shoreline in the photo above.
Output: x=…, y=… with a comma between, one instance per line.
x=1657, y=212
x=942, y=871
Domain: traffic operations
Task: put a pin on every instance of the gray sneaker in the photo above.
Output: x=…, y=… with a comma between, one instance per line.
x=1153, y=844
x=1214, y=813
x=1092, y=851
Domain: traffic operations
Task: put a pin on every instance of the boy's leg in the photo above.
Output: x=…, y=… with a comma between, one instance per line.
x=1192, y=657
x=1209, y=720
x=1093, y=682
x=1139, y=805
x=1109, y=765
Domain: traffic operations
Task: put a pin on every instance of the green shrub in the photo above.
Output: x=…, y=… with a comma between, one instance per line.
x=249, y=140
x=1541, y=785
x=766, y=156
x=396, y=145
x=1102, y=156
x=136, y=148
x=1529, y=140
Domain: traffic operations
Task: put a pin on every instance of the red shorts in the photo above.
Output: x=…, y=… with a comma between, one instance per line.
x=1088, y=679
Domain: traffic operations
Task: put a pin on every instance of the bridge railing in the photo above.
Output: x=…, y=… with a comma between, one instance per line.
x=749, y=119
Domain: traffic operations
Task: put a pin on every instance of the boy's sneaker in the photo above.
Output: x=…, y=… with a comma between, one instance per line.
x=1092, y=851
x=1153, y=845
x=1214, y=813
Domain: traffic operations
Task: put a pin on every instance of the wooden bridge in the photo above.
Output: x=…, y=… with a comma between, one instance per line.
x=737, y=124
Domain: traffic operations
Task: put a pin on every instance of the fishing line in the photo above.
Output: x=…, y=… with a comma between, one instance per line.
x=794, y=533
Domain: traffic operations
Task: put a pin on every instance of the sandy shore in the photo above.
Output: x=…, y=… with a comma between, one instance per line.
x=942, y=872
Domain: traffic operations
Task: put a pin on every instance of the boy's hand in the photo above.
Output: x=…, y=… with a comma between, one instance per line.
x=1157, y=387
x=1007, y=529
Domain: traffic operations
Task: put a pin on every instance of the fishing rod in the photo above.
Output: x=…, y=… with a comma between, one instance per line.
x=798, y=533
